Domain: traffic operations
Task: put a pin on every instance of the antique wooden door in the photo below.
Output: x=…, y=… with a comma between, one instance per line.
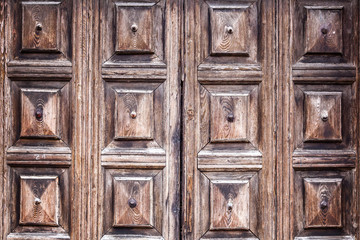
x=91, y=114
x=179, y=119
x=271, y=119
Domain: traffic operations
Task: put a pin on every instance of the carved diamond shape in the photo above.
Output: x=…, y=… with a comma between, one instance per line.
x=134, y=22
x=323, y=116
x=229, y=30
x=134, y=114
x=324, y=29
x=229, y=204
x=39, y=200
x=133, y=202
x=323, y=202
x=229, y=117
x=40, y=113
x=40, y=26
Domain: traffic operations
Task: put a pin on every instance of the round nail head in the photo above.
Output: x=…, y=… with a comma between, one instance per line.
x=323, y=204
x=38, y=114
x=132, y=203
x=229, y=30
x=37, y=201
x=133, y=114
x=230, y=117
x=134, y=28
x=38, y=27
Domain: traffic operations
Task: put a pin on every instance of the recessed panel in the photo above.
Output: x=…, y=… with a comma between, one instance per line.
x=324, y=29
x=39, y=200
x=323, y=205
x=134, y=28
x=229, y=28
x=134, y=114
x=322, y=116
x=133, y=201
x=229, y=117
x=229, y=201
x=40, y=113
x=40, y=26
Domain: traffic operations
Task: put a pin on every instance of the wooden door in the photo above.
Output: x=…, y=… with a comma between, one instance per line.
x=179, y=119
x=318, y=159
x=229, y=120
x=271, y=119
x=91, y=114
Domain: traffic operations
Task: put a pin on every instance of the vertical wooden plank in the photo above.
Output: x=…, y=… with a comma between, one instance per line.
x=77, y=208
x=172, y=184
x=267, y=185
x=2, y=124
x=282, y=151
x=95, y=191
x=189, y=144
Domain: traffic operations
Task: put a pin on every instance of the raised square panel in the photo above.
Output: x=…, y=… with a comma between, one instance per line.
x=322, y=116
x=40, y=26
x=40, y=113
x=39, y=200
x=324, y=29
x=134, y=114
x=229, y=201
x=134, y=22
x=229, y=28
x=229, y=117
x=323, y=205
x=133, y=201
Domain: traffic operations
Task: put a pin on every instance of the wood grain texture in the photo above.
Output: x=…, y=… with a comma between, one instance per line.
x=229, y=114
x=215, y=86
x=324, y=29
x=40, y=26
x=323, y=202
x=249, y=109
x=39, y=200
x=134, y=28
x=229, y=204
x=323, y=116
x=133, y=201
x=317, y=205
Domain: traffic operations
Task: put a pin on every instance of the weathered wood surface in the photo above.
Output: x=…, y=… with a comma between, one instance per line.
x=98, y=97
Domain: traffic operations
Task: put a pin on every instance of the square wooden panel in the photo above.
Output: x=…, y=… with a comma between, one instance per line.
x=41, y=118
x=133, y=202
x=323, y=202
x=324, y=29
x=134, y=114
x=134, y=25
x=40, y=113
x=324, y=130
x=322, y=116
x=229, y=28
x=229, y=32
x=320, y=31
x=40, y=26
x=133, y=34
x=39, y=200
x=229, y=201
x=229, y=117
x=134, y=122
